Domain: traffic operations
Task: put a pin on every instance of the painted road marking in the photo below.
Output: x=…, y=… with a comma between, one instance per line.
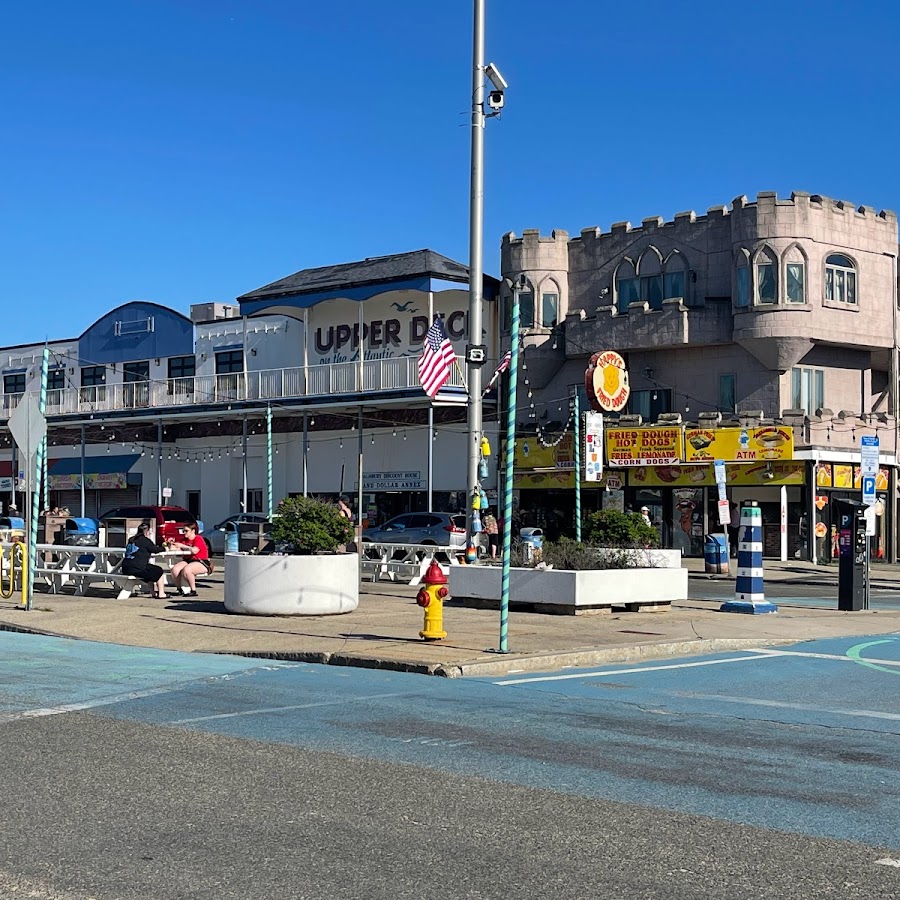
x=264, y=710
x=805, y=707
x=705, y=662
x=836, y=656
x=887, y=861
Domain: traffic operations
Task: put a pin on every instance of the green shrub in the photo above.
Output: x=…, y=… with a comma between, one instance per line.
x=611, y=528
x=303, y=525
x=568, y=554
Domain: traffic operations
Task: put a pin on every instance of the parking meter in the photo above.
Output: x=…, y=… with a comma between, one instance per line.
x=853, y=573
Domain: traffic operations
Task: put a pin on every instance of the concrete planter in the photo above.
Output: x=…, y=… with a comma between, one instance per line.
x=273, y=585
x=569, y=592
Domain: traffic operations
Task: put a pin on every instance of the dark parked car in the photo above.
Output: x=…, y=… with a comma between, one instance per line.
x=441, y=529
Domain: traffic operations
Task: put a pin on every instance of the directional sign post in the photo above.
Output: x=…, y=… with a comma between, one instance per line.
x=870, y=460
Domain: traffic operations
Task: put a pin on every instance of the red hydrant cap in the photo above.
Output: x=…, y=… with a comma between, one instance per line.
x=434, y=575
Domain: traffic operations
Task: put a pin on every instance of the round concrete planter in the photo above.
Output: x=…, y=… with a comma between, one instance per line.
x=273, y=585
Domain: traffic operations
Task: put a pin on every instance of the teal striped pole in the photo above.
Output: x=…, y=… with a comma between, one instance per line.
x=577, y=411
x=269, y=460
x=40, y=456
x=508, y=472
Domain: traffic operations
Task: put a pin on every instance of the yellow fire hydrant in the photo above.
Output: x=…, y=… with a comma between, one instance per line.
x=431, y=598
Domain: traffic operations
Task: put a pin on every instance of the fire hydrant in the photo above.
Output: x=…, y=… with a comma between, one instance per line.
x=431, y=598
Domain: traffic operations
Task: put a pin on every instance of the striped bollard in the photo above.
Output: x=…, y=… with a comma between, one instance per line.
x=749, y=595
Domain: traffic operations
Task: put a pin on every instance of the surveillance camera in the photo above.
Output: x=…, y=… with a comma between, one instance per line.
x=497, y=80
x=495, y=100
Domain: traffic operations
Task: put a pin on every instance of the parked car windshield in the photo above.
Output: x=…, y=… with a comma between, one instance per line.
x=181, y=516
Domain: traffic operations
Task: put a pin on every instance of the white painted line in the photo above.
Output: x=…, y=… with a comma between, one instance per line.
x=835, y=656
x=803, y=707
x=887, y=861
x=261, y=711
x=87, y=704
x=691, y=665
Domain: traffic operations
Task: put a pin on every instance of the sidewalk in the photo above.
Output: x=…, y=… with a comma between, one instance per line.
x=800, y=572
x=383, y=631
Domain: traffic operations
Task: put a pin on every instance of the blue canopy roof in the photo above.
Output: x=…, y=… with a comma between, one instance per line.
x=94, y=465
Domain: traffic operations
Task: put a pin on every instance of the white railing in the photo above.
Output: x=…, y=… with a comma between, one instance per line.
x=378, y=375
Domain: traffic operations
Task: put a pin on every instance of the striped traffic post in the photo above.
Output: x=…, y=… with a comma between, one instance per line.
x=749, y=593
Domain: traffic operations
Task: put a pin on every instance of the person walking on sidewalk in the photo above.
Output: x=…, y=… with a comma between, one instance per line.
x=492, y=530
x=734, y=529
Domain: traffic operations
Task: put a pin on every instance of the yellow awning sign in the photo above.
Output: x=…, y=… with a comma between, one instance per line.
x=770, y=443
x=643, y=446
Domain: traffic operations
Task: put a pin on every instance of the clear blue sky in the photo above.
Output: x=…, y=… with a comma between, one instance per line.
x=184, y=151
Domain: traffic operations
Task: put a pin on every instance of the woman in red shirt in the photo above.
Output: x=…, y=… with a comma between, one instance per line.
x=197, y=564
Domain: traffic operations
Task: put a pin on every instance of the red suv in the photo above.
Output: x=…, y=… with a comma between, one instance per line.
x=169, y=520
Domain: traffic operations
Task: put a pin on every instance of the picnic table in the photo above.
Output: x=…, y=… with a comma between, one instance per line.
x=83, y=567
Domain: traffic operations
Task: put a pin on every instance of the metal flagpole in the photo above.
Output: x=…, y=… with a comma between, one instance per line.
x=508, y=472
x=38, y=468
x=476, y=266
x=577, y=412
x=269, y=479
x=82, y=472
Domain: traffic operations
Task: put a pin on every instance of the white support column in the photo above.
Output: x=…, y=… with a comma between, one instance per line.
x=784, y=523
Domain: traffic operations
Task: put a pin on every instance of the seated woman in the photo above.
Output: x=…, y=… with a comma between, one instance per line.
x=138, y=551
x=198, y=563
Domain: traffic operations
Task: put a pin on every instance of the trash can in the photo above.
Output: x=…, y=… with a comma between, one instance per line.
x=82, y=533
x=532, y=542
x=232, y=538
x=715, y=554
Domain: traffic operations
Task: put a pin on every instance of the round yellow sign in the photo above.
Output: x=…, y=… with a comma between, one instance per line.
x=606, y=381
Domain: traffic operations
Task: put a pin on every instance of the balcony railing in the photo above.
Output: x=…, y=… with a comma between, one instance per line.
x=378, y=376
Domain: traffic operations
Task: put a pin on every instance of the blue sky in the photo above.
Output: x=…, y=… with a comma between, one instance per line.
x=185, y=151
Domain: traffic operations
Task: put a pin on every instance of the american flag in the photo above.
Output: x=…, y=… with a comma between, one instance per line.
x=436, y=360
x=502, y=366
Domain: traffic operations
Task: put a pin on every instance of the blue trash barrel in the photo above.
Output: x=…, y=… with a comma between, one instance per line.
x=232, y=538
x=715, y=554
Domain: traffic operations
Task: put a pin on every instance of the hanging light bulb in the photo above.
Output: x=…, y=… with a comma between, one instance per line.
x=107, y=448
x=143, y=453
x=276, y=448
x=394, y=433
x=373, y=439
x=341, y=443
x=220, y=454
x=404, y=435
x=170, y=455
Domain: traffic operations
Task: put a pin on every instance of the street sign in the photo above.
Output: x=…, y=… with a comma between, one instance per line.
x=869, y=455
x=868, y=490
x=719, y=469
x=724, y=512
x=593, y=446
x=28, y=426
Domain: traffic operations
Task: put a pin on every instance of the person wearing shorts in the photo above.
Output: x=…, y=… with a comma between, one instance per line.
x=197, y=564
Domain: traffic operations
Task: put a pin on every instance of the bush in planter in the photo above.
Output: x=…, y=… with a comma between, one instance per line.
x=302, y=525
x=611, y=528
x=568, y=554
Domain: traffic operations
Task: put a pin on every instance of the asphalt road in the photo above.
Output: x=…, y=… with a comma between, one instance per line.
x=803, y=593
x=145, y=774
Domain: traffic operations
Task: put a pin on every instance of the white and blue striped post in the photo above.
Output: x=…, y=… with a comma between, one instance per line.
x=749, y=593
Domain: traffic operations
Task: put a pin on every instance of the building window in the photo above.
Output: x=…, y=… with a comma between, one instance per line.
x=526, y=309
x=183, y=366
x=93, y=376
x=628, y=291
x=743, y=286
x=727, y=401
x=14, y=384
x=766, y=283
x=136, y=371
x=649, y=404
x=549, y=309
x=254, y=501
x=229, y=362
x=808, y=389
x=673, y=286
x=56, y=379
x=652, y=291
x=840, y=280
x=796, y=283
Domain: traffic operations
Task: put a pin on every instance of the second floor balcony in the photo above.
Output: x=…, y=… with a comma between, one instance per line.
x=345, y=380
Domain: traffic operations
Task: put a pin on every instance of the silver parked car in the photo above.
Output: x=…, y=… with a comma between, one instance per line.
x=215, y=537
x=440, y=529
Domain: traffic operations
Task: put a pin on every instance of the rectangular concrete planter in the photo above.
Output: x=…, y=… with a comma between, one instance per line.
x=569, y=592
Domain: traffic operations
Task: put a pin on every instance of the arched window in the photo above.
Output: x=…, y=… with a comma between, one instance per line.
x=840, y=279
x=742, y=280
x=549, y=304
x=650, y=273
x=627, y=287
x=795, y=275
x=675, y=277
x=526, y=308
x=766, y=277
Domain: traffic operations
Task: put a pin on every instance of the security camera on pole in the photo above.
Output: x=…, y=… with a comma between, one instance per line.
x=476, y=352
